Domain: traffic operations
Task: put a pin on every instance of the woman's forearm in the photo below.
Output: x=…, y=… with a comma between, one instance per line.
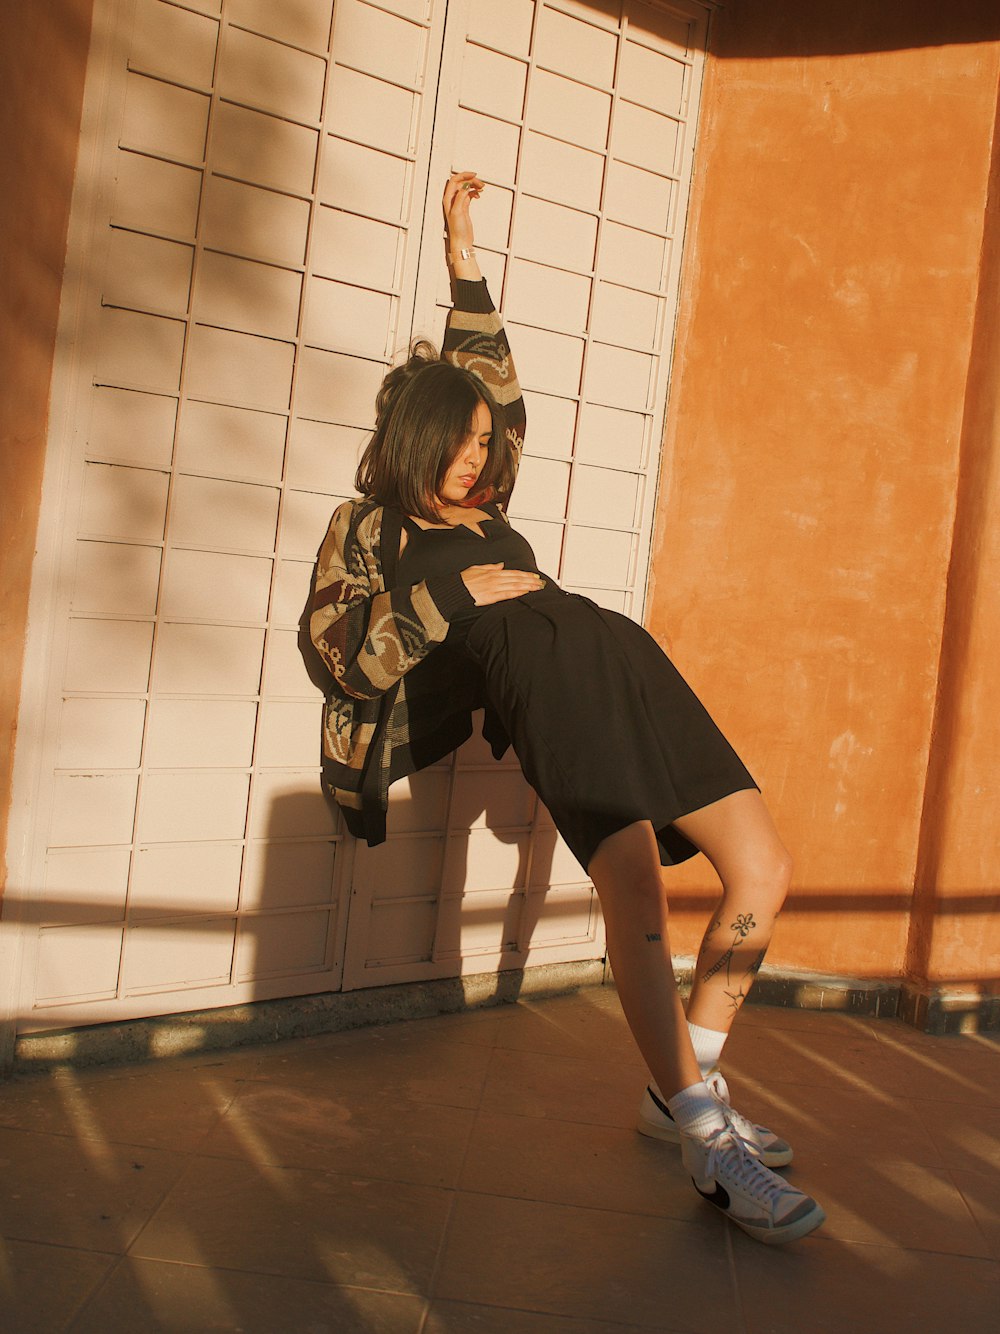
x=462, y=188
x=467, y=269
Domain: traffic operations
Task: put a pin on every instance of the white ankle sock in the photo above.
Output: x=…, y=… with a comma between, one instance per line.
x=708, y=1044
x=696, y=1112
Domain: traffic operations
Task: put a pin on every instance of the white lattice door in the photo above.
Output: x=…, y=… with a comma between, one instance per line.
x=255, y=236
x=579, y=116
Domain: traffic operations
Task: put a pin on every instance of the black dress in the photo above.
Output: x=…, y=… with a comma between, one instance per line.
x=606, y=729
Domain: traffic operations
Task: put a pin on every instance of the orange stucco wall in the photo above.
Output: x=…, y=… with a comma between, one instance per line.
x=954, y=934
x=42, y=64
x=813, y=452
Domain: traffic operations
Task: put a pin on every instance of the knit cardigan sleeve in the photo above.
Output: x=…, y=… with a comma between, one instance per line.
x=367, y=636
x=474, y=339
x=370, y=637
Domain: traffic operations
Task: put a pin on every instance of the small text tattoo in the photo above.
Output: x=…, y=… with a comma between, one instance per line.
x=653, y=935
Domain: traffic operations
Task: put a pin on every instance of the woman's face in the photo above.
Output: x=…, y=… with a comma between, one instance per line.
x=469, y=461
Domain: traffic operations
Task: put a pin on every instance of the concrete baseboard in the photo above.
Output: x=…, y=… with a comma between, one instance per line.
x=258, y=1022
x=934, y=1010
x=944, y=1009
x=878, y=998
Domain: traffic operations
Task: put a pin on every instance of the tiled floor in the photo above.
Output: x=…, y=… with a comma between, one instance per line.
x=479, y=1173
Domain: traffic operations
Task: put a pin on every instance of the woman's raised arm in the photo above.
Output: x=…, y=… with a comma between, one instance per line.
x=474, y=336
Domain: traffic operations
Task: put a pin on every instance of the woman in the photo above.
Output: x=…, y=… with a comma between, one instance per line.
x=427, y=604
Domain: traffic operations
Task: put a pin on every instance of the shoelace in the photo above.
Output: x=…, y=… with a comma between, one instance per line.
x=743, y=1127
x=730, y=1151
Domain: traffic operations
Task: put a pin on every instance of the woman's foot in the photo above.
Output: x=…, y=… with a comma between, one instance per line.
x=729, y=1174
x=654, y=1119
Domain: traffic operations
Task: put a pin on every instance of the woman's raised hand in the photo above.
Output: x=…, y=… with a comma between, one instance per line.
x=462, y=188
x=492, y=583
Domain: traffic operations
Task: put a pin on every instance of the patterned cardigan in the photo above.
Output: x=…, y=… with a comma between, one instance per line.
x=392, y=705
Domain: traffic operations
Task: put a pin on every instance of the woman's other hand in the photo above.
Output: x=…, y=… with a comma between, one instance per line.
x=462, y=188
x=492, y=583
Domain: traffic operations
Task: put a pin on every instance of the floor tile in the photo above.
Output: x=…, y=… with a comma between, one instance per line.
x=890, y=1204
x=833, y=1287
x=303, y=1126
x=592, y=1264
x=41, y=1286
x=832, y=1022
x=957, y=1073
x=311, y=1184
x=147, y=1295
x=845, y=1120
x=568, y=1088
x=167, y=1108
x=575, y=1026
x=81, y=1193
x=981, y=1192
x=967, y=1137
x=578, y=1164
x=475, y=1028
x=461, y=1318
x=302, y=1224
x=822, y=1060
x=384, y=1064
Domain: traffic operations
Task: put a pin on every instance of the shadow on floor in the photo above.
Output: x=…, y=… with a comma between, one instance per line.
x=479, y=1173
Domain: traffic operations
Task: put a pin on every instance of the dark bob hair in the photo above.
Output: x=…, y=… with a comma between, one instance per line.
x=423, y=412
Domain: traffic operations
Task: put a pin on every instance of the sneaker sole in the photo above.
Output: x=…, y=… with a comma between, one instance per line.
x=669, y=1134
x=771, y=1236
x=658, y=1130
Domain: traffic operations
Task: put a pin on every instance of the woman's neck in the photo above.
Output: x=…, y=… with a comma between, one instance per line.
x=450, y=516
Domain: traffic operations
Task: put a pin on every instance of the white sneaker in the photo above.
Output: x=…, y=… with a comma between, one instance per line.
x=654, y=1119
x=728, y=1174
x=772, y=1150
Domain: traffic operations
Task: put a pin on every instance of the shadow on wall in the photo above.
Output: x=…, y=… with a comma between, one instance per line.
x=40, y=88
x=286, y=924
x=798, y=29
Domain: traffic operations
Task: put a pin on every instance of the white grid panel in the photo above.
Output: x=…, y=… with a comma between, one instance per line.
x=258, y=277
x=580, y=119
x=253, y=189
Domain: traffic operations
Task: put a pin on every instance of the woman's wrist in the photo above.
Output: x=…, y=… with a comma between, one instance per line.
x=461, y=258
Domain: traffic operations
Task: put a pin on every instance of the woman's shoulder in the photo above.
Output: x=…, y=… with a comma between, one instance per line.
x=368, y=524
x=358, y=506
x=357, y=513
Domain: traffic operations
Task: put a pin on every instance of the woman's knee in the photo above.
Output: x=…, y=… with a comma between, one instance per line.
x=639, y=901
x=626, y=867
x=765, y=875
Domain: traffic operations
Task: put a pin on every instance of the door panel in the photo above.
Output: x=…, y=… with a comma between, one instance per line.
x=256, y=238
x=554, y=108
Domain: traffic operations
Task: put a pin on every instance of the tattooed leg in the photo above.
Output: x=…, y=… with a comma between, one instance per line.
x=734, y=968
x=737, y=836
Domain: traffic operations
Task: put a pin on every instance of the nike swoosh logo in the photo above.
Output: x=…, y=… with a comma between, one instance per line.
x=659, y=1104
x=718, y=1196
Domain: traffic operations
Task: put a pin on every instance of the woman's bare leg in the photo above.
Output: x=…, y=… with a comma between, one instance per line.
x=625, y=870
x=738, y=837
